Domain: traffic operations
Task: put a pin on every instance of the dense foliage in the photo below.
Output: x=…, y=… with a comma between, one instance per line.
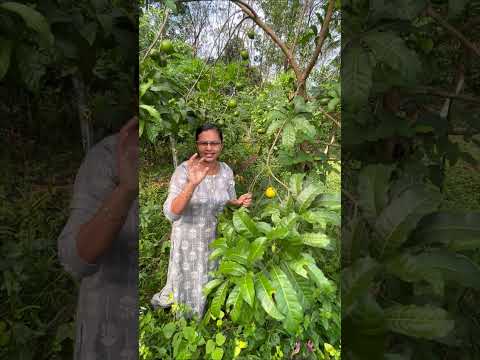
x=410, y=273
x=275, y=292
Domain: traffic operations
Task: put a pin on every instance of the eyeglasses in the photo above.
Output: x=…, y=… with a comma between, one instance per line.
x=211, y=143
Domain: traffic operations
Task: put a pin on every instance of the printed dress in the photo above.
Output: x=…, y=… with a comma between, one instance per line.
x=192, y=231
x=107, y=310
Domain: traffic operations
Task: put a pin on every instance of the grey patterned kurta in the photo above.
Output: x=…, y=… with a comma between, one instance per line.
x=192, y=231
x=107, y=309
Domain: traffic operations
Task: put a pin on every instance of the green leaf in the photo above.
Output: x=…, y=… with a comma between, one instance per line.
x=264, y=292
x=332, y=104
x=456, y=231
x=410, y=268
x=427, y=322
x=168, y=330
x=89, y=32
x=244, y=224
x=219, y=300
x=189, y=333
x=170, y=4
x=390, y=49
x=402, y=215
x=210, y=346
x=247, y=288
x=151, y=110
x=232, y=268
x=318, y=240
x=257, y=248
x=211, y=285
x=145, y=86
x=299, y=266
x=456, y=8
x=357, y=73
x=308, y=195
x=299, y=104
x=33, y=19
x=274, y=126
x=278, y=233
x=455, y=268
x=217, y=354
x=373, y=184
x=322, y=217
x=288, y=136
x=318, y=277
x=287, y=300
x=296, y=184
x=356, y=280
x=304, y=126
x=235, y=302
x=220, y=339
x=5, y=54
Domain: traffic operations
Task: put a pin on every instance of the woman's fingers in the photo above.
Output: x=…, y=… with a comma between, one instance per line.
x=190, y=161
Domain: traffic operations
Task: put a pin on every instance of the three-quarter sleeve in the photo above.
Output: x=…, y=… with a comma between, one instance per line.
x=93, y=183
x=177, y=184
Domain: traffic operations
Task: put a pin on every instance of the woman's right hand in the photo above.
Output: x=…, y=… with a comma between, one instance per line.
x=196, y=171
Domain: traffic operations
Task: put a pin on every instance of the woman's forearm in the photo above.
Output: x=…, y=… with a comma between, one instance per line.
x=96, y=236
x=181, y=201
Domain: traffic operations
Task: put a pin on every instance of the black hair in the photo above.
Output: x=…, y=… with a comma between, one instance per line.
x=206, y=127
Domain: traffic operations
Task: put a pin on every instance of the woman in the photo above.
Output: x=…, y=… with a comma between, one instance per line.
x=199, y=190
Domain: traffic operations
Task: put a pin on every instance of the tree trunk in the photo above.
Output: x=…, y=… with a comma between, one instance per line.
x=83, y=113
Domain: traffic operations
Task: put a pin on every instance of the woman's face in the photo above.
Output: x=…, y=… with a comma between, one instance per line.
x=209, y=145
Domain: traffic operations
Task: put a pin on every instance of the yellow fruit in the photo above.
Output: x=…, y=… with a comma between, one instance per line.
x=270, y=192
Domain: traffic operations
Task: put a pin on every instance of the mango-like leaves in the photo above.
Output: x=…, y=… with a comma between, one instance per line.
x=427, y=322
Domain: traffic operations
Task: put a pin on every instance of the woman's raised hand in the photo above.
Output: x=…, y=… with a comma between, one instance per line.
x=196, y=170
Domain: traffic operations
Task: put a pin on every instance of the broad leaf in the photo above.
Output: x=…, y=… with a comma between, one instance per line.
x=247, y=288
x=308, y=195
x=257, y=248
x=356, y=280
x=244, y=224
x=373, y=188
x=426, y=322
x=287, y=301
x=211, y=285
x=456, y=8
x=318, y=240
x=232, y=268
x=235, y=301
x=33, y=19
x=288, y=136
x=151, y=110
x=457, y=231
x=357, y=73
x=303, y=125
x=390, y=49
x=296, y=184
x=264, y=292
x=402, y=215
x=219, y=299
x=322, y=217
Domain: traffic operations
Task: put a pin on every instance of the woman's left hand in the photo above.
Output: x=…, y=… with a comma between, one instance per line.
x=245, y=200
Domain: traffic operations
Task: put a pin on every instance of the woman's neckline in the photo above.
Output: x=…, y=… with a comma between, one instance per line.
x=218, y=170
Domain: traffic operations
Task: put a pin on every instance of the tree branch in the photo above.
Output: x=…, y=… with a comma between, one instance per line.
x=424, y=90
x=321, y=40
x=250, y=12
x=157, y=37
x=432, y=13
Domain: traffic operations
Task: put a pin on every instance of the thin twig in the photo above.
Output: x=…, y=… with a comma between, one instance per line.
x=157, y=36
x=424, y=90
